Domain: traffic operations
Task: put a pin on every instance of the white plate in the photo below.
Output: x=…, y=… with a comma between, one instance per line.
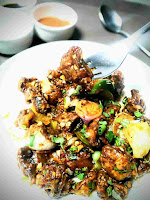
x=35, y=62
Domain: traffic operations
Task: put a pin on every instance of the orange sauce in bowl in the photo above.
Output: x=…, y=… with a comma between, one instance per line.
x=53, y=22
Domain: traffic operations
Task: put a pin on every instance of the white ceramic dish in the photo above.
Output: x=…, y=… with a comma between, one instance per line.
x=35, y=62
x=58, y=10
x=16, y=31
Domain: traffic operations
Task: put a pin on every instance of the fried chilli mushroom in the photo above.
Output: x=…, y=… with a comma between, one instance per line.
x=82, y=137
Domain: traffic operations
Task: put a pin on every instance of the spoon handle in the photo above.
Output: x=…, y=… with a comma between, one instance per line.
x=131, y=40
x=125, y=34
x=140, y=46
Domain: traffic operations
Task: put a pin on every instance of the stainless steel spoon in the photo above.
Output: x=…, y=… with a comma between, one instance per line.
x=108, y=60
x=113, y=22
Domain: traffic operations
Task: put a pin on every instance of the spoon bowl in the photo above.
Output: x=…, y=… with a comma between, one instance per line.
x=110, y=19
x=113, y=22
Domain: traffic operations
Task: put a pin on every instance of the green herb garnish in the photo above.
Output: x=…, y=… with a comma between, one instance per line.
x=120, y=171
x=58, y=140
x=138, y=114
x=73, y=149
x=133, y=167
x=109, y=191
x=119, y=142
x=74, y=186
x=105, y=114
x=110, y=136
x=64, y=92
x=100, y=105
x=91, y=185
x=83, y=131
x=81, y=176
x=84, y=169
x=112, y=111
x=110, y=182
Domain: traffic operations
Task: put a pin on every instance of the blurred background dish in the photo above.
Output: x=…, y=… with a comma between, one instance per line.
x=54, y=21
x=16, y=31
x=22, y=5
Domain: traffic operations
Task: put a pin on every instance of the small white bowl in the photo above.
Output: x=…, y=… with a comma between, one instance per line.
x=16, y=31
x=60, y=11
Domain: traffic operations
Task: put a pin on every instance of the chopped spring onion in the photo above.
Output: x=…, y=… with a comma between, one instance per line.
x=83, y=131
x=101, y=128
x=32, y=137
x=96, y=155
x=58, y=140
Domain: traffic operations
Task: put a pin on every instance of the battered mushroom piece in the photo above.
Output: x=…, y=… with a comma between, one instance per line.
x=54, y=94
x=117, y=163
x=143, y=165
x=105, y=186
x=65, y=120
x=102, y=184
x=83, y=159
x=112, y=110
x=118, y=80
x=25, y=118
x=30, y=87
x=87, y=185
x=74, y=160
x=135, y=103
x=73, y=67
x=32, y=90
x=53, y=177
x=92, y=133
x=27, y=162
x=53, y=74
x=39, y=137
